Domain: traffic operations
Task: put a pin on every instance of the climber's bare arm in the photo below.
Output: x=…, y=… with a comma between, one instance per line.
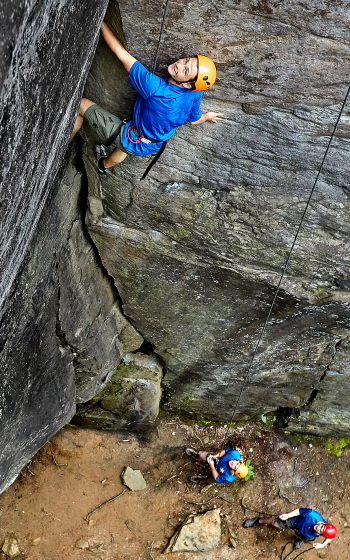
x=211, y=116
x=125, y=58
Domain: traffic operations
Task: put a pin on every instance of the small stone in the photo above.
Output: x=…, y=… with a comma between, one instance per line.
x=233, y=542
x=82, y=543
x=11, y=547
x=232, y=533
x=206, y=440
x=36, y=542
x=322, y=554
x=92, y=522
x=133, y=479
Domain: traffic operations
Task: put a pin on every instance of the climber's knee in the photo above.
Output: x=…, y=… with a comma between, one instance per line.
x=85, y=104
x=117, y=156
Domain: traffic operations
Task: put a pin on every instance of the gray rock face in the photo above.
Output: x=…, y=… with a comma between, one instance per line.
x=63, y=335
x=197, y=250
x=47, y=48
x=197, y=533
x=132, y=397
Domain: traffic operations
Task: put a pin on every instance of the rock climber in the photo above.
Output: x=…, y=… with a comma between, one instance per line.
x=224, y=466
x=306, y=523
x=161, y=106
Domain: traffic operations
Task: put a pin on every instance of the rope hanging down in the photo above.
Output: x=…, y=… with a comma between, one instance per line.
x=284, y=269
x=160, y=37
x=156, y=157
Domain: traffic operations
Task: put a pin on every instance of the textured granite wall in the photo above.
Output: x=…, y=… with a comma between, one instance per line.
x=183, y=265
x=46, y=50
x=196, y=250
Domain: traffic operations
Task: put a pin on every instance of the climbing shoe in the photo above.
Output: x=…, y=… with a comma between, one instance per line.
x=197, y=478
x=191, y=452
x=251, y=522
x=100, y=154
x=297, y=544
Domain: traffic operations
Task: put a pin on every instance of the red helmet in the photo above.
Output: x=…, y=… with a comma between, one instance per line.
x=329, y=531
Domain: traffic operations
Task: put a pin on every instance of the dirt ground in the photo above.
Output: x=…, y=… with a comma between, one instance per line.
x=46, y=507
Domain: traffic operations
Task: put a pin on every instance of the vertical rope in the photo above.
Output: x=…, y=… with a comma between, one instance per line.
x=285, y=268
x=160, y=36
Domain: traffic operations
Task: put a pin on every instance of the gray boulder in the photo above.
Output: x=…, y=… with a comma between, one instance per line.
x=197, y=533
x=131, y=398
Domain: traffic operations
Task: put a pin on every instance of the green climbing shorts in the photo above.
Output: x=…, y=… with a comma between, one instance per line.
x=104, y=124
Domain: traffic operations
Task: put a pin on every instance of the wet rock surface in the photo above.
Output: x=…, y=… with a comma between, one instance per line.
x=46, y=50
x=37, y=110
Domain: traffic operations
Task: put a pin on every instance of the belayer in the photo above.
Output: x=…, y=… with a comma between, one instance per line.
x=224, y=466
x=307, y=524
x=161, y=106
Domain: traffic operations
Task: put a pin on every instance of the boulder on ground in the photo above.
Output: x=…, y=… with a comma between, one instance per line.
x=197, y=533
x=133, y=479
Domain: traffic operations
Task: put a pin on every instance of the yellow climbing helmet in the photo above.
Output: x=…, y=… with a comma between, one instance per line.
x=242, y=471
x=206, y=73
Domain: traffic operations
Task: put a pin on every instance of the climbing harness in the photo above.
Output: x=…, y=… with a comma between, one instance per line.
x=141, y=138
x=284, y=271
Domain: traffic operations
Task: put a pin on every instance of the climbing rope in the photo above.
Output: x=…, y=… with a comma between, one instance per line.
x=284, y=270
x=291, y=542
x=160, y=37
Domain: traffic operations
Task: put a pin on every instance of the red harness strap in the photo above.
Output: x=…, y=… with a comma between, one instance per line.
x=131, y=127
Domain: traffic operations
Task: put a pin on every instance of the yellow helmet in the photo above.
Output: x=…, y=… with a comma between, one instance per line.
x=242, y=471
x=206, y=73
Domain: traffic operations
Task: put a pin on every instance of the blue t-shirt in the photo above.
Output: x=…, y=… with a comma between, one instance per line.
x=159, y=109
x=223, y=466
x=305, y=522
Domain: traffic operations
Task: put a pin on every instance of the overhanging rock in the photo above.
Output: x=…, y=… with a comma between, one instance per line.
x=196, y=250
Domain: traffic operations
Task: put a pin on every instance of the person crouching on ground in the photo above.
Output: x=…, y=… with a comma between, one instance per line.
x=224, y=466
x=307, y=524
